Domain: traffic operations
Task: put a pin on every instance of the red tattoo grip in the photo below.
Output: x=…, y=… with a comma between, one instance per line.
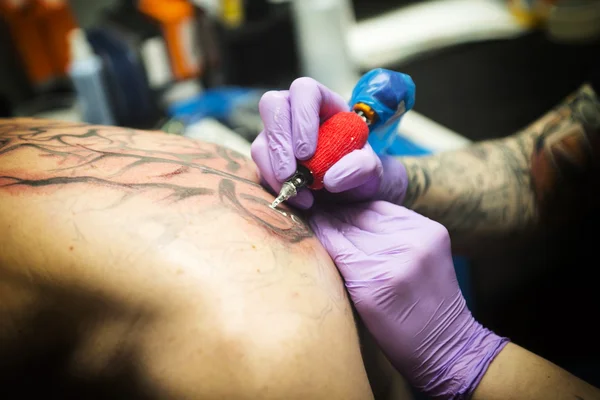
x=339, y=135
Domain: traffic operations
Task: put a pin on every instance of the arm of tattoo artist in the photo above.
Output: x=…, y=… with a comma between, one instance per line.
x=517, y=373
x=495, y=188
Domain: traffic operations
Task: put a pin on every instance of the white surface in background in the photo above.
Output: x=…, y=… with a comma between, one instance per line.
x=156, y=60
x=400, y=35
x=322, y=29
x=190, y=44
x=181, y=91
x=212, y=7
x=212, y=131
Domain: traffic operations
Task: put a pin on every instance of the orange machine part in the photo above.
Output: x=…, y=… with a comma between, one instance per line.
x=367, y=110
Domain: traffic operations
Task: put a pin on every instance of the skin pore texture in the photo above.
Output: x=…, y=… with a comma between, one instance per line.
x=540, y=177
x=145, y=265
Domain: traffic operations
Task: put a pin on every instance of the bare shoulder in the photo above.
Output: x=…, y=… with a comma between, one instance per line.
x=154, y=259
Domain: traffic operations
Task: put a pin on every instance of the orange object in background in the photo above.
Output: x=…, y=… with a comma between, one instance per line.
x=58, y=22
x=39, y=29
x=23, y=24
x=178, y=24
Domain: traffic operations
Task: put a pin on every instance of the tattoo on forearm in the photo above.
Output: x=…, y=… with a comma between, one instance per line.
x=131, y=162
x=564, y=162
x=509, y=185
x=474, y=191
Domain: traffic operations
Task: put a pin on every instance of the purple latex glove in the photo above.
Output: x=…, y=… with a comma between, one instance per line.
x=291, y=123
x=399, y=272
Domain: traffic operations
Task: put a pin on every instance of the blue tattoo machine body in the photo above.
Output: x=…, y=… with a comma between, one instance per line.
x=387, y=95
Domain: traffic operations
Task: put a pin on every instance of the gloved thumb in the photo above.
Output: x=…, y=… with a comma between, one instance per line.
x=353, y=170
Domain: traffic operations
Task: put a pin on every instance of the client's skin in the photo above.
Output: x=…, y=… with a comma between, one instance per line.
x=145, y=265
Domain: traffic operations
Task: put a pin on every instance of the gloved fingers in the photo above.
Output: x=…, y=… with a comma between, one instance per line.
x=274, y=108
x=394, y=182
x=379, y=217
x=385, y=208
x=418, y=230
x=393, y=217
x=331, y=233
x=259, y=152
x=362, y=217
x=353, y=170
x=358, y=254
x=303, y=200
x=351, y=221
x=311, y=103
x=260, y=155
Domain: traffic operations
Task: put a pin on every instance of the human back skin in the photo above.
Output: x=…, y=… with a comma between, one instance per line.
x=145, y=265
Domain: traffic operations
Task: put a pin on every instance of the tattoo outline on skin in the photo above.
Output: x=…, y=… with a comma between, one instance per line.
x=292, y=234
x=85, y=150
x=89, y=146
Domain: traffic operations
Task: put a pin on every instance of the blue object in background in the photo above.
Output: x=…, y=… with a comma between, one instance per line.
x=87, y=73
x=404, y=147
x=213, y=103
x=131, y=97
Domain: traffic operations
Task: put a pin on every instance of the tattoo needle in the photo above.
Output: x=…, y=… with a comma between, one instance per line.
x=289, y=189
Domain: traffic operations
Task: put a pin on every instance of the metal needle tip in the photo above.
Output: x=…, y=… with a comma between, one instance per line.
x=287, y=190
x=276, y=202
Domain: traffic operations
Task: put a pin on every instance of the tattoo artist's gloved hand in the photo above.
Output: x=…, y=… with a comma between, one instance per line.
x=398, y=270
x=291, y=121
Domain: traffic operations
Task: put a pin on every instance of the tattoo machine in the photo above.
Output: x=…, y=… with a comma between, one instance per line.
x=379, y=100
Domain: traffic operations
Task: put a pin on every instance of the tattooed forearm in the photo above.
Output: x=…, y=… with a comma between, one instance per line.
x=505, y=186
x=477, y=190
x=165, y=167
x=564, y=164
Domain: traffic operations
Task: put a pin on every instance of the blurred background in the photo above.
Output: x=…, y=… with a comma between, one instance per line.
x=483, y=69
